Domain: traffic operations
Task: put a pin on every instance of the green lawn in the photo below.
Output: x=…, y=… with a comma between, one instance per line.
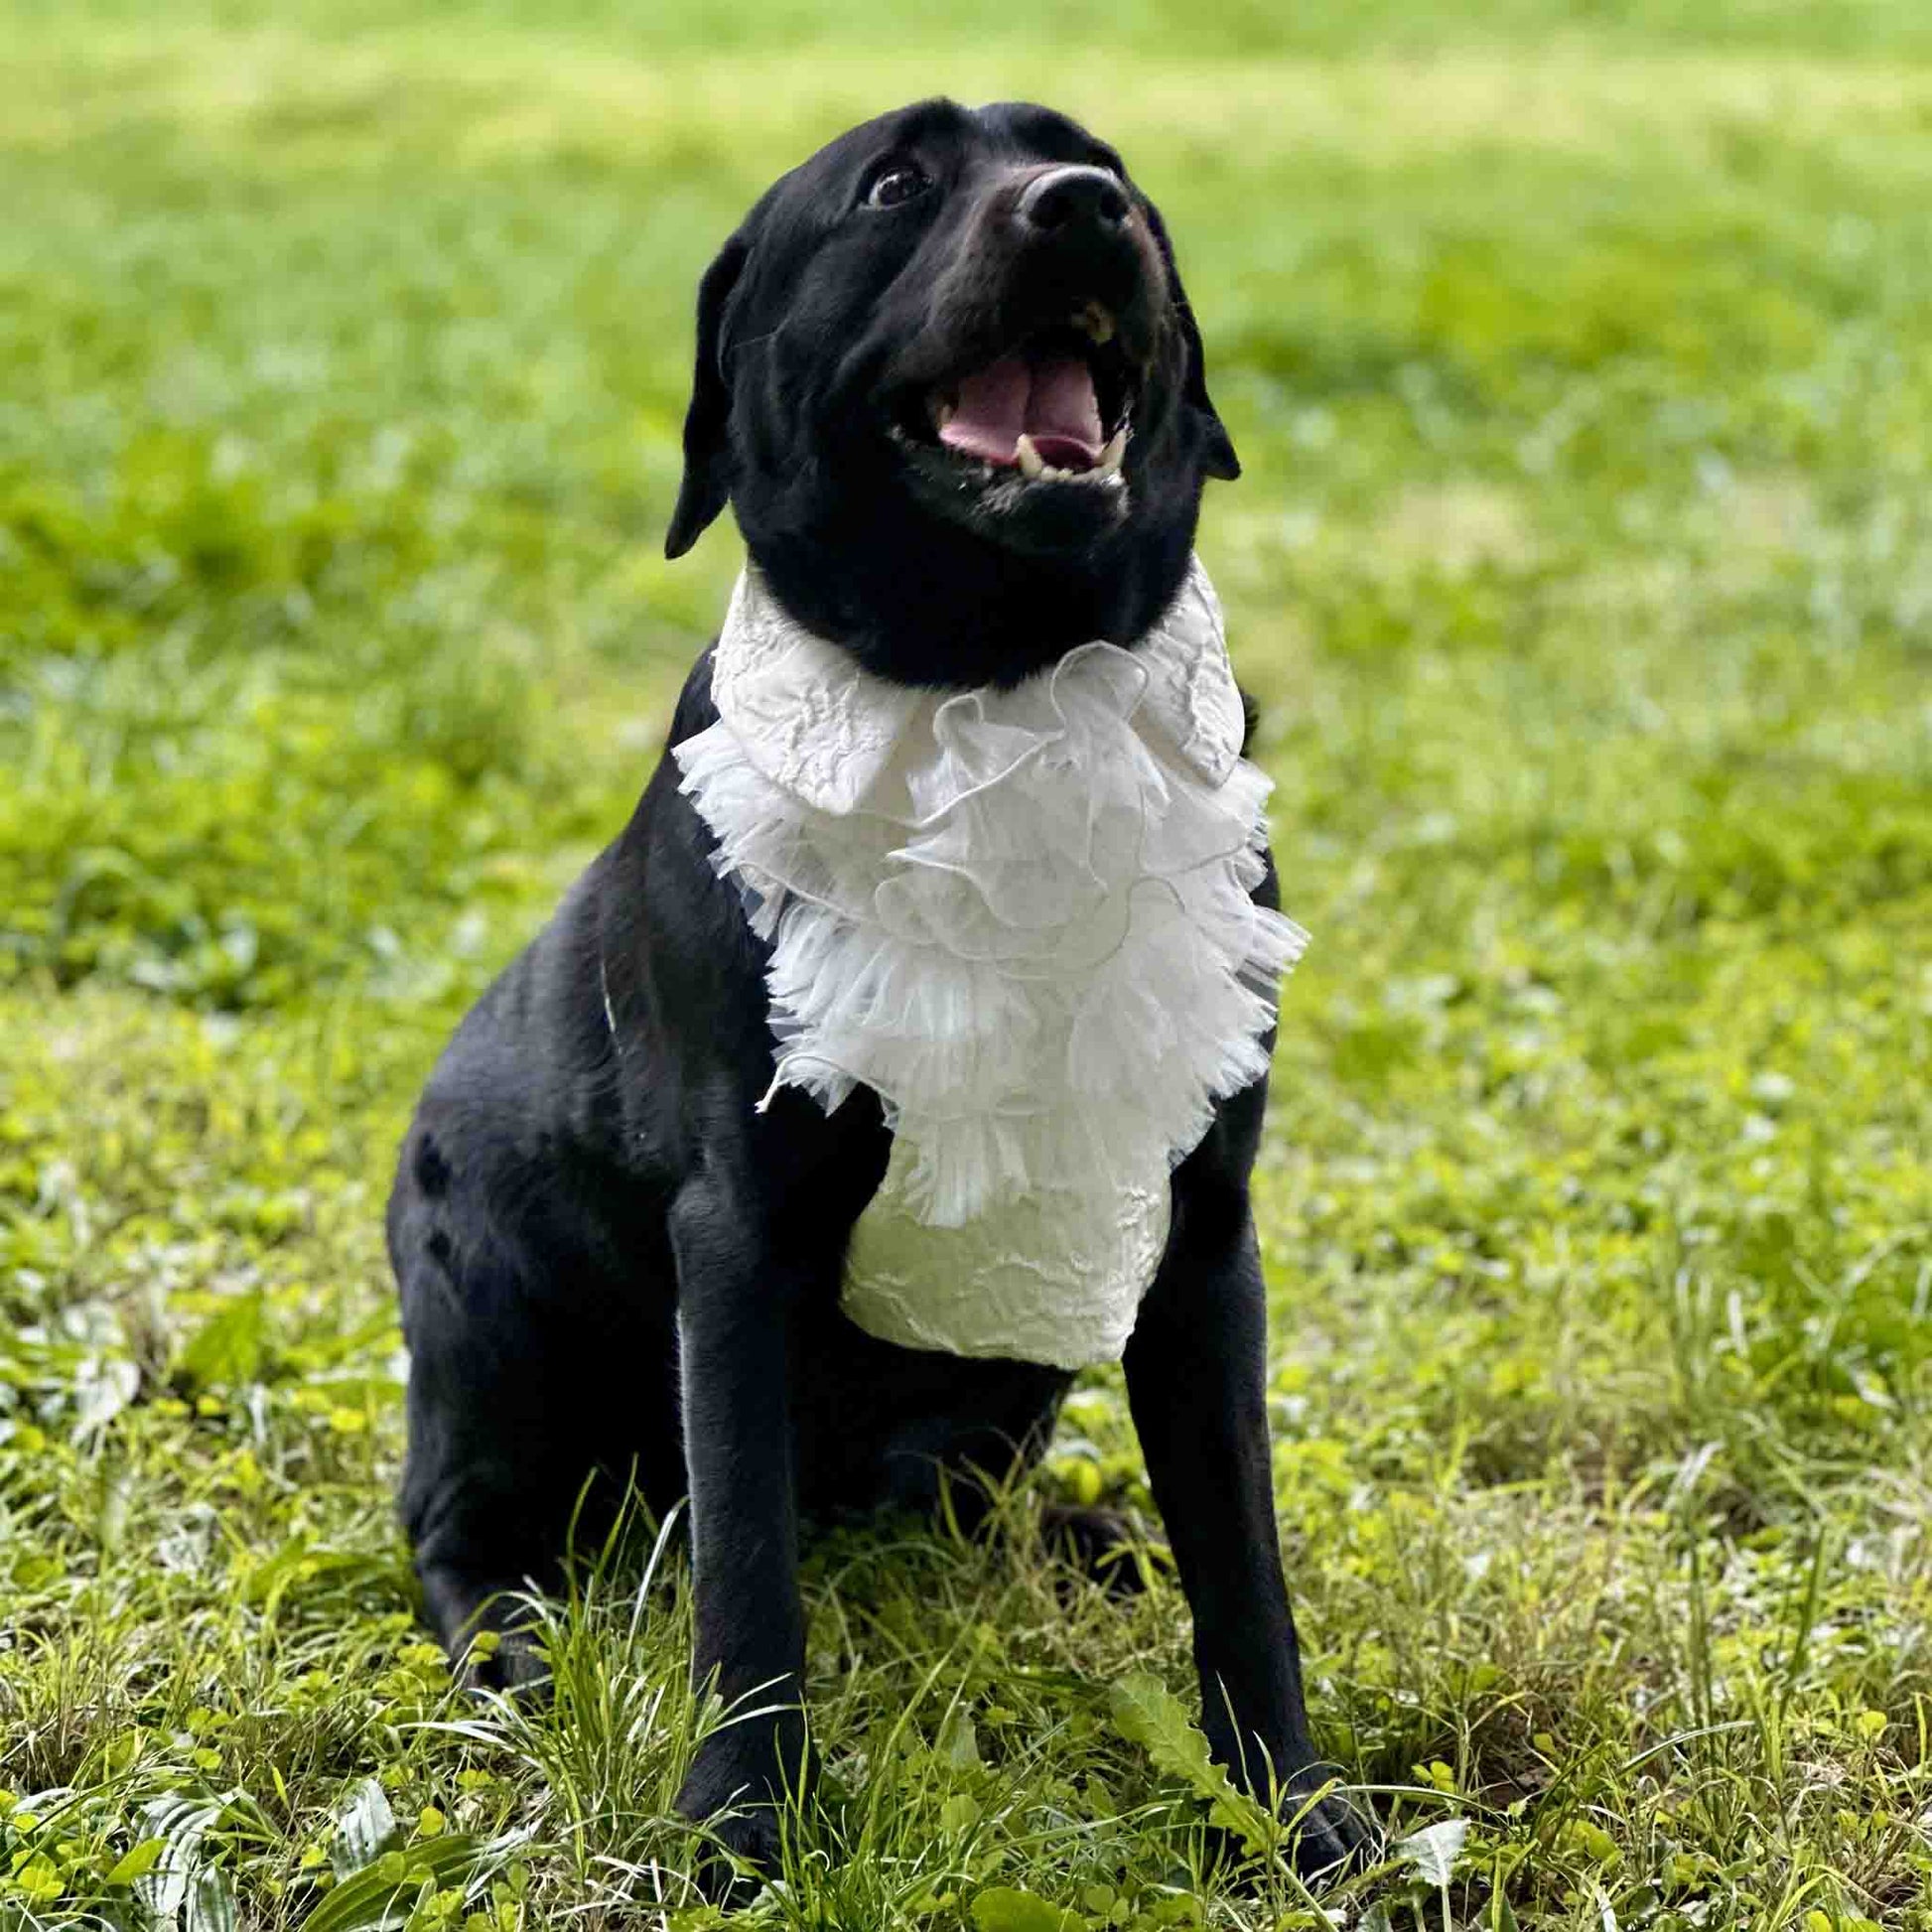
x=1581, y=359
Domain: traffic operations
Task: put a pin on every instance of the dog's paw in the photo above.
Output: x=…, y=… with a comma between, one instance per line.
x=1329, y=1834
x=734, y=1792
x=1326, y=1835
x=1107, y=1545
x=742, y=1850
x=506, y=1660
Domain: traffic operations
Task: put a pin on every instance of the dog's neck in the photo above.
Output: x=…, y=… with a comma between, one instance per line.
x=913, y=626
x=1022, y=918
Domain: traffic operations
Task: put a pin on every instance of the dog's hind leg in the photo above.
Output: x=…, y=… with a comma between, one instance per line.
x=536, y=1391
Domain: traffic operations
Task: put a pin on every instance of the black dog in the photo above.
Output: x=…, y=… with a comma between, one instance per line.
x=948, y=380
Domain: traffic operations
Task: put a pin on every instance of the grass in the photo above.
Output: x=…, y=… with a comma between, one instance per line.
x=1581, y=360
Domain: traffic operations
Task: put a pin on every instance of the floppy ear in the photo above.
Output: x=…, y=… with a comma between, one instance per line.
x=1218, y=458
x=707, y=443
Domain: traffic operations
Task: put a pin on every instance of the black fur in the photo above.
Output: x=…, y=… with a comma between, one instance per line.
x=609, y=1260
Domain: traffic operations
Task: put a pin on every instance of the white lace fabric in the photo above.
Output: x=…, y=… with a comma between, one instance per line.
x=1022, y=918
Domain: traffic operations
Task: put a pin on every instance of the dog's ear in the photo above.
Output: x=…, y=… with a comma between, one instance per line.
x=707, y=423
x=1218, y=458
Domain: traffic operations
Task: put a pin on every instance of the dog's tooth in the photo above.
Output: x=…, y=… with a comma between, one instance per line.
x=1110, y=456
x=1032, y=463
x=943, y=413
x=1098, y=322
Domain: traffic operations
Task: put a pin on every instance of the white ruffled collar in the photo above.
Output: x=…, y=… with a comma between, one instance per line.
x=825, y=730
x=1023, y=919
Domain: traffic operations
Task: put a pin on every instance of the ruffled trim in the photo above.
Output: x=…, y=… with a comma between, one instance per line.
x=1020, y=917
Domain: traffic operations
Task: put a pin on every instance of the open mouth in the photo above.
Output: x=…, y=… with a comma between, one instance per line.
x=1057, y=409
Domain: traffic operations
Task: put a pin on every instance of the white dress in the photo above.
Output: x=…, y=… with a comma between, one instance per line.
x=1022, y=918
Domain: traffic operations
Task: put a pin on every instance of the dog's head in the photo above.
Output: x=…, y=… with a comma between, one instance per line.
x=948, y=379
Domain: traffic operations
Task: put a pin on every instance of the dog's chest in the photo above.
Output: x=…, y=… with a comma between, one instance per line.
x=1022, y=918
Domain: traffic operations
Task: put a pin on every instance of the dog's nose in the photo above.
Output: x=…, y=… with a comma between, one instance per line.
x=1067, y=194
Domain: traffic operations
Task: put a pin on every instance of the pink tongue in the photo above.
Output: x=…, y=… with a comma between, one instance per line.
x=1051, y=401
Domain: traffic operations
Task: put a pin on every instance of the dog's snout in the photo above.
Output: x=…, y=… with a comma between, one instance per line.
x=1064, y=196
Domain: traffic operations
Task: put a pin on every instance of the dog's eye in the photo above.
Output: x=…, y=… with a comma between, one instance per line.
x=899, y=181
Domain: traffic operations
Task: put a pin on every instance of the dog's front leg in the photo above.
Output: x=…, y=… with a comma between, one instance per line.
x=740, y=1282
x=1196, y=1378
